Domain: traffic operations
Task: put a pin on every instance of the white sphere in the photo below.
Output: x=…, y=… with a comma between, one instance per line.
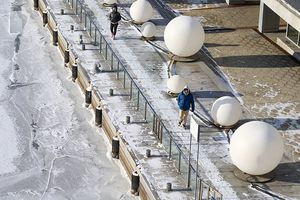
x=110, y=2
x=148, y=29
x=226, y=111
x=176, y=84
x=256, y=148
x=141, y=11
x=184, y=36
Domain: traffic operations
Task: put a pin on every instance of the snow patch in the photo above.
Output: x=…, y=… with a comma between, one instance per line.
x=8, y=146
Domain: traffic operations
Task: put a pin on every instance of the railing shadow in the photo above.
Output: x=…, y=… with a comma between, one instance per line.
x=288, y=172
x=279, y=123
x=257, y=61
x=211, y=94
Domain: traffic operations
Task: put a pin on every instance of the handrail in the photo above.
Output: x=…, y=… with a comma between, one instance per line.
x=92, y=20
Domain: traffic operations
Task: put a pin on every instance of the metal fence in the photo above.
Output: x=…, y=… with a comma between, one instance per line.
x=178, y=153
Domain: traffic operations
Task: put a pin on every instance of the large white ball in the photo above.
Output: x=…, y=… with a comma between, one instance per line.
x=141, y=11
x=148, y=29
x=110, y=2
x=184, y=36
x=256, y=148
x=226, y=111
x=176, y=84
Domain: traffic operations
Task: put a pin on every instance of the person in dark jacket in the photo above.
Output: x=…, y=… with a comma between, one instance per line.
x=114, y=18
x=185, y=100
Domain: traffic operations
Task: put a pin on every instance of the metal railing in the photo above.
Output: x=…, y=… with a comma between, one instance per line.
x=178, y=153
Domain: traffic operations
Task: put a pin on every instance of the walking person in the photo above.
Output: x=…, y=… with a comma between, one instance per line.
x=114, y=18
x=185, y=102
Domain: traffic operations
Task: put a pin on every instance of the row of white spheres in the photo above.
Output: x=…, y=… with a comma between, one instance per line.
x=141, y=11
x=184, y=35
x=255, y=147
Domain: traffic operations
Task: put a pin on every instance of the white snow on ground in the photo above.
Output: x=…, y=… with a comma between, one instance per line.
x=285, y=110
x=271, y=93
x=8, y=144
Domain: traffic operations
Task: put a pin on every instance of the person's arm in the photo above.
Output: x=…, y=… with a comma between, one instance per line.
x=119, y=17
x=178, y=99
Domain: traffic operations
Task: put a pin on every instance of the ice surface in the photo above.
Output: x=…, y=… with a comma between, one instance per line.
x=48, y=148
x=8, y=146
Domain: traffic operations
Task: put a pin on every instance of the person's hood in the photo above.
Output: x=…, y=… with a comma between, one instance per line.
x=115, y=7
x=186, y=87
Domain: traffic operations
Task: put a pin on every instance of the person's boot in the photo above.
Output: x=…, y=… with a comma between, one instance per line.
x=114, y=37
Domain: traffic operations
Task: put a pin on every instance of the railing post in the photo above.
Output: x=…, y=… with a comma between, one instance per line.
x=106, y=51
x=153, y=126
x=135, y=183
x=118, y=69
x=111, y=61
x=36, y=4
x=130, y=97
x=45, y=18
x=160, y=137
x=100, y=44
x=74, y=72
x=115, y=145
x=66, y=56
x=179, y=161
x=200, y=190
x=95, y=38
x=124, y=81
x=85, y=17
x=55, y=37
x=80, y=13
x=189, y=165
x=170, y=148
x=145, y=112
x=197, y=161
x=76, y=7
x=157, y=127
x=90, y=31
x=138, y=101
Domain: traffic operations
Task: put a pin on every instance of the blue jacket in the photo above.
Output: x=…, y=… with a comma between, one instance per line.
x=184, y=102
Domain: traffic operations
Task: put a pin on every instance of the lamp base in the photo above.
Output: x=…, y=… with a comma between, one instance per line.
x=254, y=178
x=186, y=59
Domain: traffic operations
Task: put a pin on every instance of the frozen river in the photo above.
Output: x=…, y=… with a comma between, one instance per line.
x=49, y=148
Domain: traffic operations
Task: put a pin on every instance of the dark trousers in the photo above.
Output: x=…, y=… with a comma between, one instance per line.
x=113, y=28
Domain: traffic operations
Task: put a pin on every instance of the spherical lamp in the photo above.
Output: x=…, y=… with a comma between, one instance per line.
x=184, y=36
x=110, y=2
x=226, y=111
x=176, y=84
x=148, y=29
x=256, y=148
x=141, y=11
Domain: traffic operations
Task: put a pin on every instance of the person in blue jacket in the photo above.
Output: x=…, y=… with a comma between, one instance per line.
x=185, y=100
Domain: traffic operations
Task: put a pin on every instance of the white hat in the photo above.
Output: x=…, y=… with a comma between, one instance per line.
x=185, y=87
